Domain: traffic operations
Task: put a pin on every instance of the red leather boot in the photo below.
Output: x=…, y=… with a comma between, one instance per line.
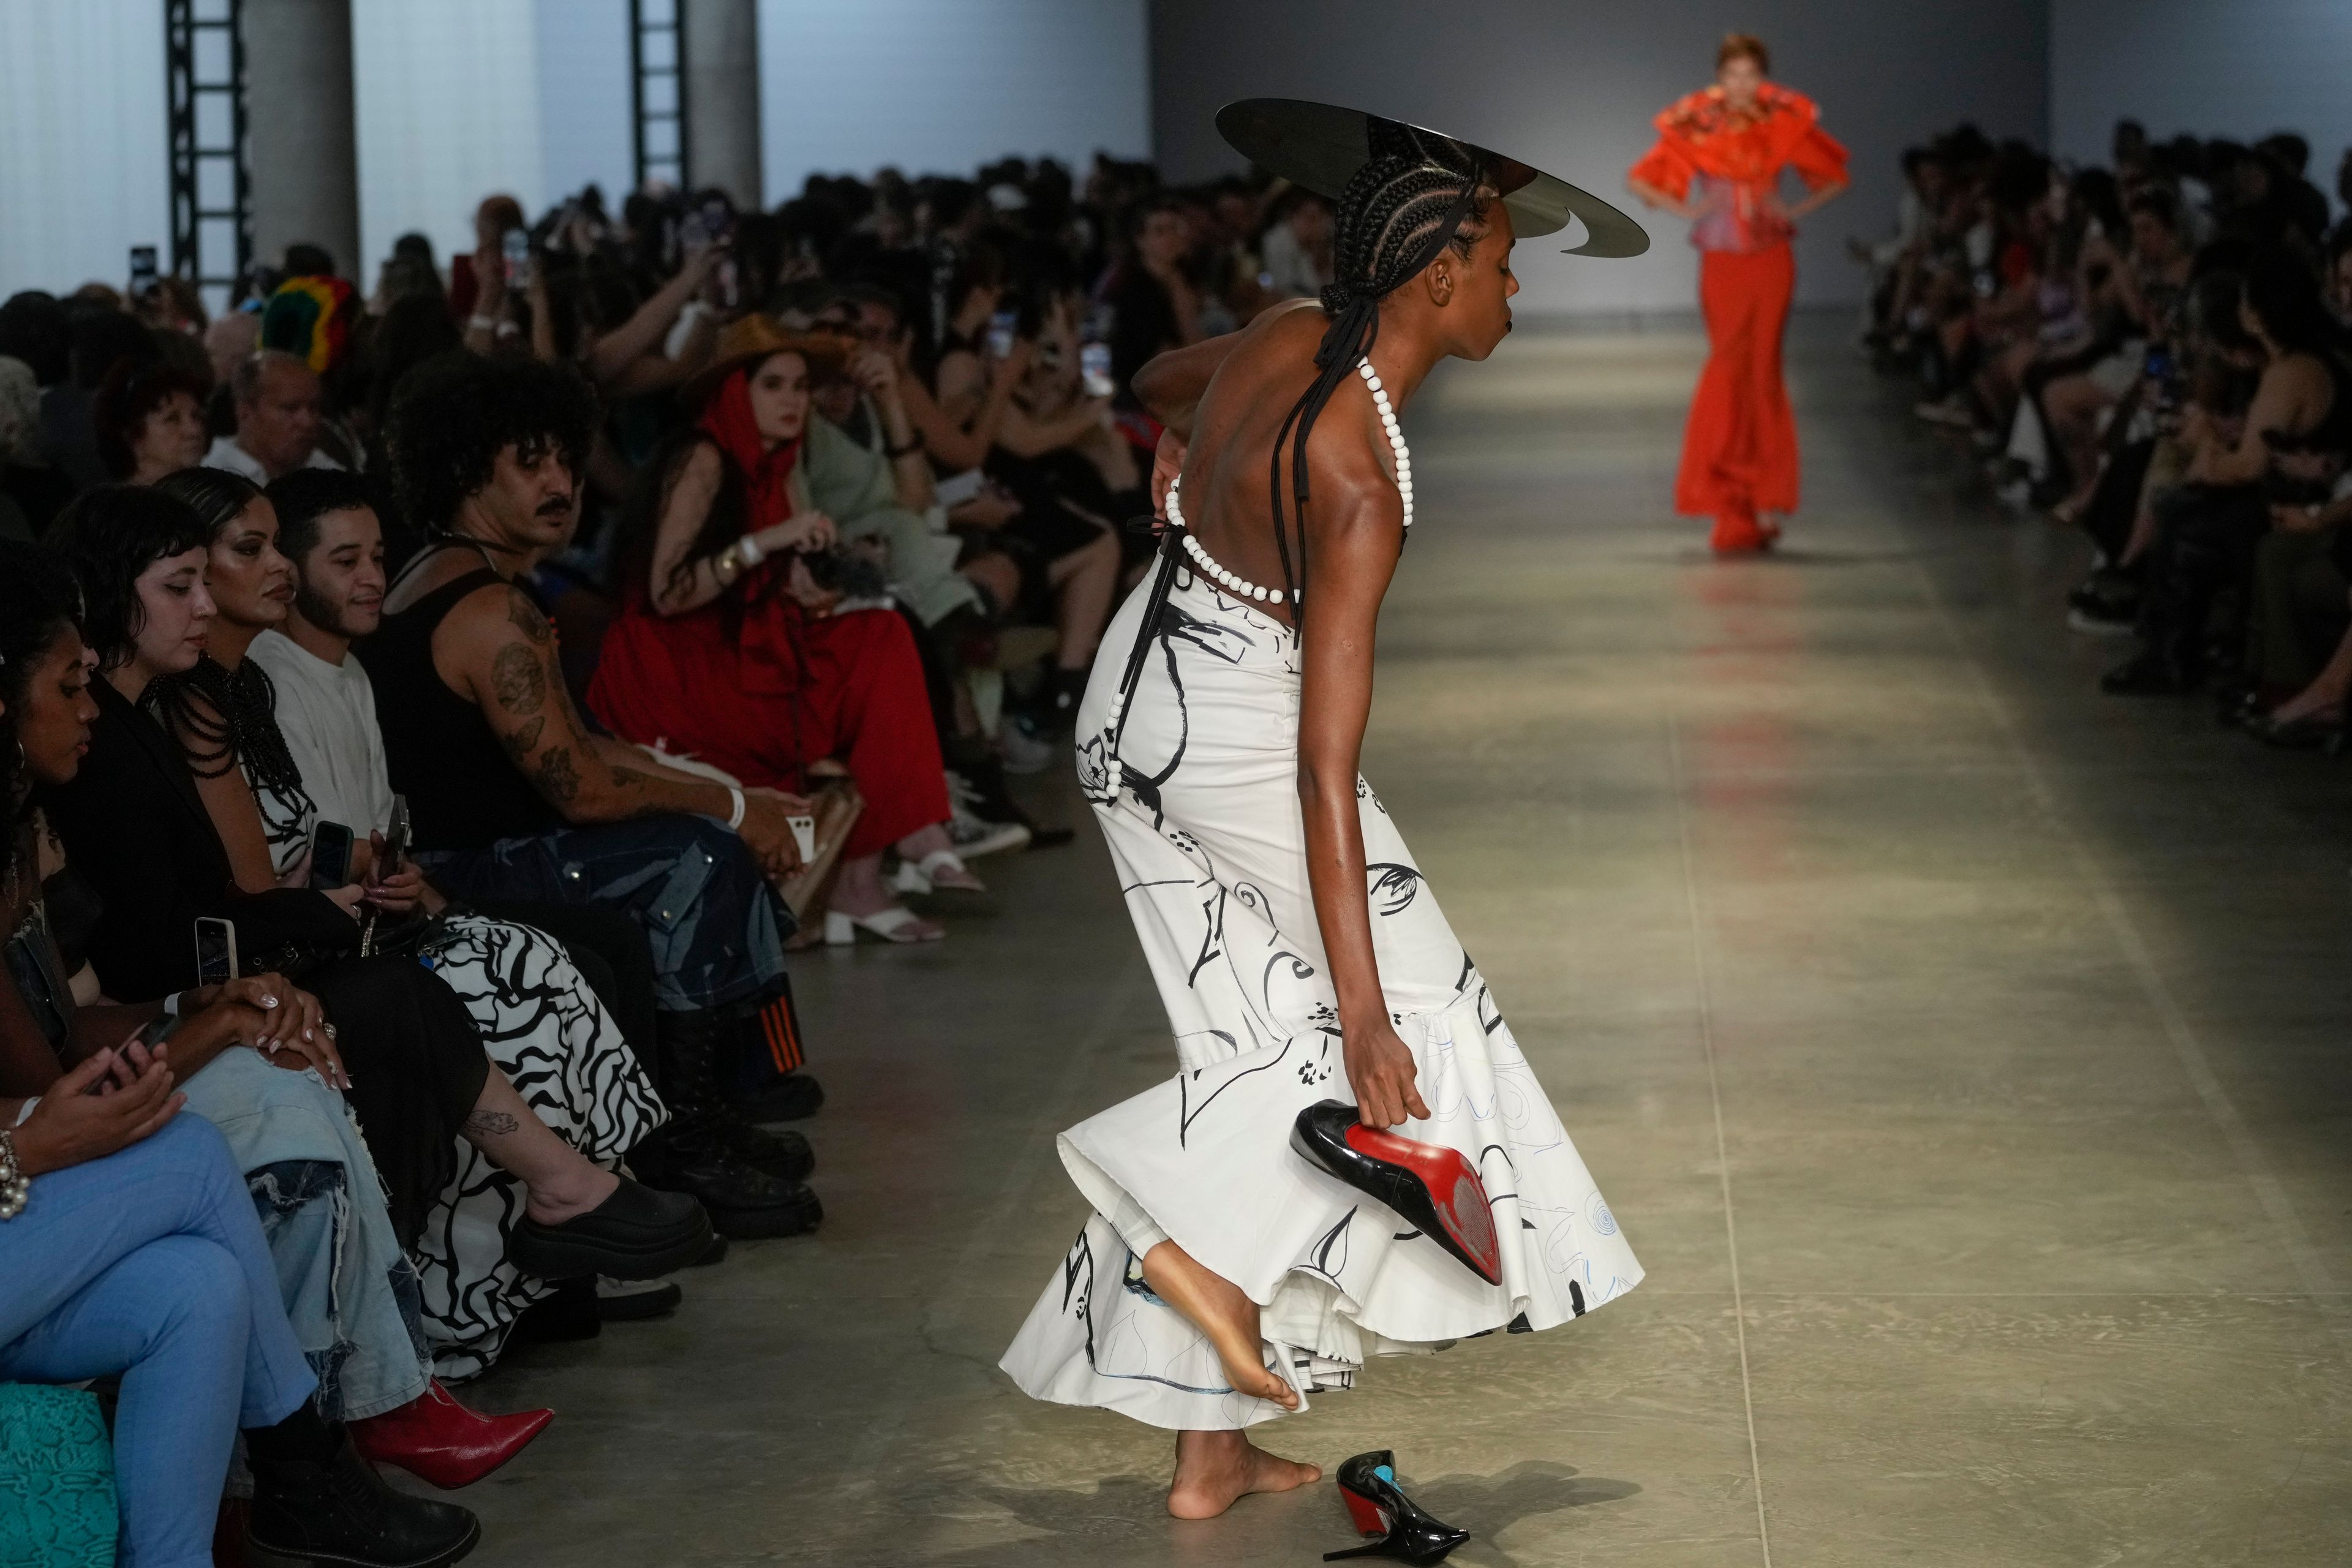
x=438, y=1440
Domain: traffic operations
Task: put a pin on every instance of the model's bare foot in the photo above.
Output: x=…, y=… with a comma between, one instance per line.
x=1214, y=1469
x=1219, y=1309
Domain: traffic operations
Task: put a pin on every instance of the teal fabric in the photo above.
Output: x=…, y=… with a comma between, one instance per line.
x=56, y=1479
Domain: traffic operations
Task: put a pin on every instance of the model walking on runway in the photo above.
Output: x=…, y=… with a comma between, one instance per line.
x=1718, y=163
x=1224, y=1276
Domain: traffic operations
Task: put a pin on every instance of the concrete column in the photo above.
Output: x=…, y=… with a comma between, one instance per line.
x=297, y=106
x=722, y=97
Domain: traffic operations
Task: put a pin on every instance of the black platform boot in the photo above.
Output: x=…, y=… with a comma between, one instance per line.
x=316, y=1500
x=733, y=1169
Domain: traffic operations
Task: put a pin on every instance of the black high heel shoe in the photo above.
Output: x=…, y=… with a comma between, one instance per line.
x=1379, y=1506
x=1432, y=1188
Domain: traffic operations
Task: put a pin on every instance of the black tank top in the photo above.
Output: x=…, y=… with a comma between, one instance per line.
x=464, y=792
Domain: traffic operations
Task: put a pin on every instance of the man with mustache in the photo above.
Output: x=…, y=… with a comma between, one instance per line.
x=513, y=796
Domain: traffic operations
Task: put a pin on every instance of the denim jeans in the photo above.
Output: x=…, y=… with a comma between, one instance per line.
x=150, y=1263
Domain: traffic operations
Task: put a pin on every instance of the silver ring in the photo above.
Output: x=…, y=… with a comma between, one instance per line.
x=330, y=1031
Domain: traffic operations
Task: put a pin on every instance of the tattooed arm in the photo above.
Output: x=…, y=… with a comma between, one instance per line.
x=496, y=649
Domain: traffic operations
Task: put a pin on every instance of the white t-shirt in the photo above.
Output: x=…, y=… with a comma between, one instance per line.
x=326, y=712
x=225, y=453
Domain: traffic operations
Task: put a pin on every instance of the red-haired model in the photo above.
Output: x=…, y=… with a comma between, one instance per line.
x=1718, y=163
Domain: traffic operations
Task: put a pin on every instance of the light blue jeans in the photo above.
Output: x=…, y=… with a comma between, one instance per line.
x=150, y=1263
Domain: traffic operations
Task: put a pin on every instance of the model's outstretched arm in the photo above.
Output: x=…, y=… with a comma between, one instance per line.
x=1356, y=534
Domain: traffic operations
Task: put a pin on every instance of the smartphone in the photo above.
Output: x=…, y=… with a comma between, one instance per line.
x=142, y=268
x=395, y=839
x=1000, y=333
x=515, y=248
x=804, y=835
x=330, y=854
x=958, y=488
x=1094, y=369
x=215, y=950
x=730, y=280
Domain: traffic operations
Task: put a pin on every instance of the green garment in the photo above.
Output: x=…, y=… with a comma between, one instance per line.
x=852, y=484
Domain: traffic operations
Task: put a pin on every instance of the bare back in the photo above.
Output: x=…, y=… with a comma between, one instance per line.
x=1228, y=503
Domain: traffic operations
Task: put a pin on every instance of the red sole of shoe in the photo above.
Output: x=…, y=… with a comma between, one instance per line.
x=1454, y=1187
x=1370, y=1520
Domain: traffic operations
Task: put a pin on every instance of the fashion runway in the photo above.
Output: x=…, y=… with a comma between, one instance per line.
x=1963, y=1052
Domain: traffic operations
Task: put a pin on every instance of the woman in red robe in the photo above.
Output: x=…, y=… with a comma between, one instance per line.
x=1718, y=163
x=733, y=645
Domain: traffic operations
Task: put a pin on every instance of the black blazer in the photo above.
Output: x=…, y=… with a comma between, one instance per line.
x=135, y=828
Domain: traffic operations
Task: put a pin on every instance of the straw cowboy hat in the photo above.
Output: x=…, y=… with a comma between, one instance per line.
x=746, y=342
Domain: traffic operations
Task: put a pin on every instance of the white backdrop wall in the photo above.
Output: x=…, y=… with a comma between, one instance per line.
x=83, y=165
x=448, y=113
x=2240, y=69
x=1571, y=86
x=583, y=98
x=946, y=85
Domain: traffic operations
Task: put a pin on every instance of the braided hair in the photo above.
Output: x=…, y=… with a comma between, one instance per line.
x=1418, y=194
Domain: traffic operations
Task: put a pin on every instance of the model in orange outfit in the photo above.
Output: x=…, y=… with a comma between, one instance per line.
x=1718, y=163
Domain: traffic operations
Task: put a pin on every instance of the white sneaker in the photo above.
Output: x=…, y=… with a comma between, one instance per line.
x=1025, y=753
x=973, y=838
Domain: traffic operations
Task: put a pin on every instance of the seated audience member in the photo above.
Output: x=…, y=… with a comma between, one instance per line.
x=1297, y=247
x=139, y=822
x=151, y=421
x=754, y=666
x=32, y=491
x=511, y=794
x=326, y=715
x=276, y=398
x=541, y=1023
x=329, y=1256
x=1153, y=305
x=2211, y=525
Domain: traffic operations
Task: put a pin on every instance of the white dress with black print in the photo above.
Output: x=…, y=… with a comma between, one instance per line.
x=1202, y=811
x=545, y=1029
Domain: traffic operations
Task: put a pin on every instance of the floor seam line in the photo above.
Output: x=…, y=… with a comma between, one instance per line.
x=1704, y=996
x=2178, y=1032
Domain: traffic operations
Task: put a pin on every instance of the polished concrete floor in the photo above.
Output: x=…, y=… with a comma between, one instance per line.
x=1964, y=1053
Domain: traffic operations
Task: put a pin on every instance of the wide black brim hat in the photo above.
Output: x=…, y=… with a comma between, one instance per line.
x=1322, y=146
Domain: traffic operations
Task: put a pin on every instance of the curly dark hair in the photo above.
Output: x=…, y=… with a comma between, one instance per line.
x=111, y=534
x=132, y=392
x=454, y=415
x=38, y=605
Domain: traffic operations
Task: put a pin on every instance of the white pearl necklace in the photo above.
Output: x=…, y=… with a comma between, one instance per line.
x=1249, y=590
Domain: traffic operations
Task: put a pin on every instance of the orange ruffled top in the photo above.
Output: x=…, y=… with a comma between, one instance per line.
x=1737, y=160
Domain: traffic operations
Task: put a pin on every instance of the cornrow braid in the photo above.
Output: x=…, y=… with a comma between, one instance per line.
x=1404, y=207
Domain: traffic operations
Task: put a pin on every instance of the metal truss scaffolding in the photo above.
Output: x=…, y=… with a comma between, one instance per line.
x=657, y=88
x=212, y=181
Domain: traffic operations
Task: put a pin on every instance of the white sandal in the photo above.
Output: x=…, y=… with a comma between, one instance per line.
x=892, y=924
x=923, y=876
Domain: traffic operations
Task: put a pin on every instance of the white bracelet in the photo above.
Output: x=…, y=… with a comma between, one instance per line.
x=748, y=547
x=478, y=322
x=171, y=1006
x=735, y=817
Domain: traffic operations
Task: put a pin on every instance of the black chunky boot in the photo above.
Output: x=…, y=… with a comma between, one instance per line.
x=329, y=1506
x=736, y=1170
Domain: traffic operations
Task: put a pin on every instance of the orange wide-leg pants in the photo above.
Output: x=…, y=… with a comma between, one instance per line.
x=1739, y=446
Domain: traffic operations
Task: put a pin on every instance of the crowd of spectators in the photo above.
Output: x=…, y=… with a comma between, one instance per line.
x=432, y=713
x=2157, y=351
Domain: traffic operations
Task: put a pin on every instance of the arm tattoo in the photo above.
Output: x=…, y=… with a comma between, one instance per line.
x=518, y=681
x=556, y=776
x=525, y=741
x=491, y=1125
x=527, y=617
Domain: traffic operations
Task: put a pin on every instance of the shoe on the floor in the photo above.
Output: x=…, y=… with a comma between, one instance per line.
x=636, y=1234
x=794, y=1097
x=339, y=1512
x=565, y=1317
x=2102, y=621
x=2148, y=674
x=783, y=1155
x=1025, y=751
x=441, y=1442
x=635, y=1300
x=973, y=838
x=743, y=1203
